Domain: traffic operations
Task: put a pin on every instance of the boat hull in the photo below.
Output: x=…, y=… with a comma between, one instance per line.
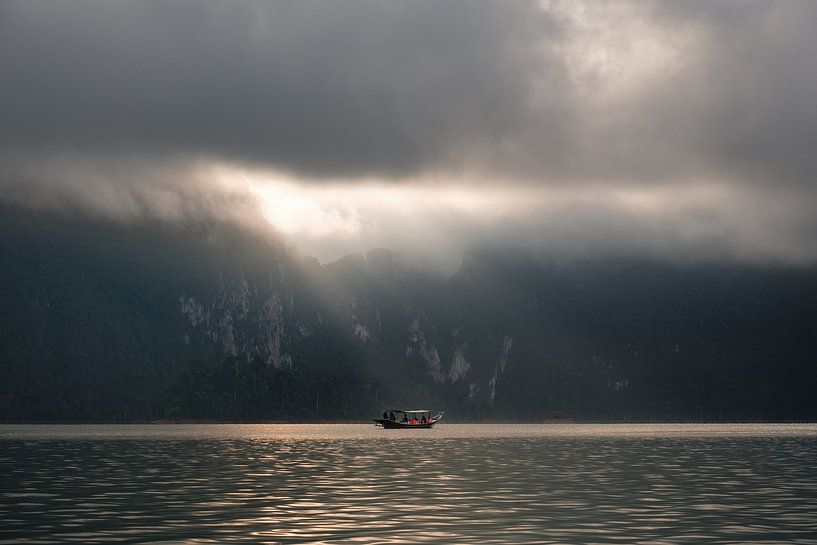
x=393, y=425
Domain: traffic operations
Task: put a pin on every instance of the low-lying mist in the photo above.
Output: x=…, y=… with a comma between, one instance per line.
x=432, y=220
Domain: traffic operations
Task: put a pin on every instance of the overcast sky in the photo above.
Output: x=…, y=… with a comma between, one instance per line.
x=680, y=130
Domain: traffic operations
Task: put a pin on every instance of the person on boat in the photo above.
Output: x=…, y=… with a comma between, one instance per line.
x=423, y=420
x=413, y=420
x=385, y=415
x=405, y=419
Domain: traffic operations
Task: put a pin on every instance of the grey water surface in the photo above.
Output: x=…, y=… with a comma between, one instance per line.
x=453, y=484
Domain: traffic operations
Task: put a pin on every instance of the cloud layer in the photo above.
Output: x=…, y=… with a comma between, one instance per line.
x=686, y=127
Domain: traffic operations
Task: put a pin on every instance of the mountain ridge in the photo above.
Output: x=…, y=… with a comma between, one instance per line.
x=114, y=322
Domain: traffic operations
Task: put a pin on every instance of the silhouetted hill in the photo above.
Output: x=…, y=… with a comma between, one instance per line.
x=104, y=321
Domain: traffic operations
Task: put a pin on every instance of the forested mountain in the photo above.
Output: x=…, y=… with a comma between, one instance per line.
x=104, y=321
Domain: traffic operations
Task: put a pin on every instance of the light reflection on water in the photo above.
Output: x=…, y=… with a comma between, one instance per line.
x=453, y=484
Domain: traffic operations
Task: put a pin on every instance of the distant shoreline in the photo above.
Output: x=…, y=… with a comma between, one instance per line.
x=552, y=421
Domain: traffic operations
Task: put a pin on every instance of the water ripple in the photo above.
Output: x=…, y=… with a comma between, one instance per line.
x=355, y=486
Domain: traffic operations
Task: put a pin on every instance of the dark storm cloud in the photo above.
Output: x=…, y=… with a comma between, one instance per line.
x=360, y=88
x=670, y=128
x=747, y=103
x=320, y=87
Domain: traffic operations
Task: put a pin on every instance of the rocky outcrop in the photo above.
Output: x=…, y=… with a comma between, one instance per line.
x=507, y=344
x=241, y=318
x=417, y=341
x=459, y=364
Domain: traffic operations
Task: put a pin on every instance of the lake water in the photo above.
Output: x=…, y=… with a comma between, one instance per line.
x=453, y=484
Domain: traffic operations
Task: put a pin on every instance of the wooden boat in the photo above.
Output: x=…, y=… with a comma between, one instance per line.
x=411, y=420
x=559, y=417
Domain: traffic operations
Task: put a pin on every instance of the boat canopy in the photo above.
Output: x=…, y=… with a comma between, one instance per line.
x=414, y=411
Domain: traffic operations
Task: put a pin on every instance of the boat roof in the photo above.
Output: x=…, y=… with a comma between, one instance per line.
x=409, y=412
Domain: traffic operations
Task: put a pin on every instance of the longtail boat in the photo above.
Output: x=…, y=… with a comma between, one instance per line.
x=407, y=420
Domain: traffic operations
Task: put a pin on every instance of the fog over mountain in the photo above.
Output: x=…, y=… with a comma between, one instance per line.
x=464, y=172
x=110, y=322
x=673, y=129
